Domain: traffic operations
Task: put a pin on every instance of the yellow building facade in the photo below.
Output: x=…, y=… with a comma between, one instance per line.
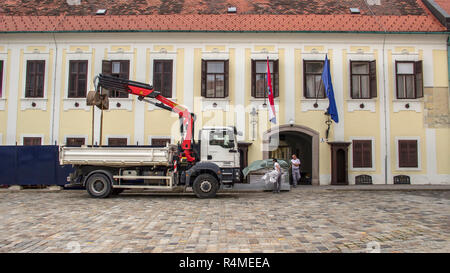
x=384, y=125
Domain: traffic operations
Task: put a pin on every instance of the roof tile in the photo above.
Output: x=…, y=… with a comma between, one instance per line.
x=197, y=15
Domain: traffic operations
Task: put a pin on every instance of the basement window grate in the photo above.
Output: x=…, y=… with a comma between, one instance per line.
x=402, y=179
x=363, y=179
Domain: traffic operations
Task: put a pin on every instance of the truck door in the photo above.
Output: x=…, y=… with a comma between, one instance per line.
x=221, y=148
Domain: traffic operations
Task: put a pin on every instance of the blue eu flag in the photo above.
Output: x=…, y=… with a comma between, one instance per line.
x=326, y=78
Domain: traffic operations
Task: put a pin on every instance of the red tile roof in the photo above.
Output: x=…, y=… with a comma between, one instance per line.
x=444, y=4
x=198, y=15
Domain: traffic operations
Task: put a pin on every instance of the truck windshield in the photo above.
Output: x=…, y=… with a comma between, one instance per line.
x=222, y=138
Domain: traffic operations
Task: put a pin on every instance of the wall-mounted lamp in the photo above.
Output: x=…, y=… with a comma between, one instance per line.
x=291, y=122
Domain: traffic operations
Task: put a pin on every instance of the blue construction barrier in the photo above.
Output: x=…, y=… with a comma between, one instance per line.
x=32, y=165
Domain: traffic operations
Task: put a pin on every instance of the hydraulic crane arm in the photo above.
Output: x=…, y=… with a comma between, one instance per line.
x=145, y=92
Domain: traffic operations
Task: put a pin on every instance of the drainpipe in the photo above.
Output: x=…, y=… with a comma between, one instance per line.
x=386, y=104
x=448, y=66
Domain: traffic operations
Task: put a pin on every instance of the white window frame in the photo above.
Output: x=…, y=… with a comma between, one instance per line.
x=22, y=136
x=41, y=103
x=373, y=168
x=3, y=57
x=419, y=153
x=69, y=103
x=107, y=137
x=126, y=103
x=76, y=136
x=158, y=55
x=150, y=139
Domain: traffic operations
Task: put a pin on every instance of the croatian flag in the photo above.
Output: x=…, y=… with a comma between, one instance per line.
x=272, y=117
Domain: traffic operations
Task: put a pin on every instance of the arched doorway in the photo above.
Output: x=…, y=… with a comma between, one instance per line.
x=297, y=139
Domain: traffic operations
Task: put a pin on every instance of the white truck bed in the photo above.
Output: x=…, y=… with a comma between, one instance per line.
x=116, y=156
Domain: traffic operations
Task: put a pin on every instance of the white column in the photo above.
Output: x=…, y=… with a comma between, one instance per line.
x=239, y=88
x=430, y=135
x=139, y=106
x=338, y=86
x=289, y=83
x=189, y=78
x=99, y=56
x=56, y=96
x=13, y=95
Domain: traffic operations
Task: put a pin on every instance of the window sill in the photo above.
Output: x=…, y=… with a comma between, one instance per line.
x=258, y=103
x=418, y=169
x=33, y=104
x=209, y=104
x=353, y=169
x=366, y=104
x=75, y=104
x=307, y=104
x=407, y=105
x=120, y=104
x=2, y=104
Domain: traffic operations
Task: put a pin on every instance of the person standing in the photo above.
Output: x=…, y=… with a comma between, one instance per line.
x=277, y=185
x=295, y=162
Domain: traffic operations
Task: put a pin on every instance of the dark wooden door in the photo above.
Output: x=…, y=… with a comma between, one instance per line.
x=339, y=157
x=340, y=167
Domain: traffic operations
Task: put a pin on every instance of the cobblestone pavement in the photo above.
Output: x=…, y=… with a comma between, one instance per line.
x=297, y=221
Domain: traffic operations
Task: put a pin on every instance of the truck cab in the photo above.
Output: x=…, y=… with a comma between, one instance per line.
x=219, y=145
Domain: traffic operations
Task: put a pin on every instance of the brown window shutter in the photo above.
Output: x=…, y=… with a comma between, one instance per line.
x=373, y=78
x=351, y=80
x=106, y=67
x=30, y=141
x=75, y=142
x=357, y=154
x=408, y=157
x=418, y=75
x=275, y=86
x=1, y=77
x=169, y=77
x=226, y=82
x=117, y=141
x=402, y=153
x=203, y=91
x=396, y=79
x=253, y=72
x=125, y=69
x=412, y=154
x=367, y=154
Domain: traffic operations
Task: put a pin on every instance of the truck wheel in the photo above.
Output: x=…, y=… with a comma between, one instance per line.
x=205, y=186
x=99, y=186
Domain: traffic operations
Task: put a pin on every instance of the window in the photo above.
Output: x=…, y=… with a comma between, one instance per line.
x=35, y=79
x=117, y=141
x=407, y=154
x=362, y=153
x=30, y=141
x=77, y=79
x=120, y=69
x=409, y=79
x=162, y=77
x=215, y=79
x=313, y=86
x=1, y=78
x=221, y=138
x=363, y=79
x=259, y=78
x=75, y=141
x=160, y=141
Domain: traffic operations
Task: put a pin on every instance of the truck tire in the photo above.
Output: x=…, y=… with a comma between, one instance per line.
x=99, y=185
x=205, y=186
